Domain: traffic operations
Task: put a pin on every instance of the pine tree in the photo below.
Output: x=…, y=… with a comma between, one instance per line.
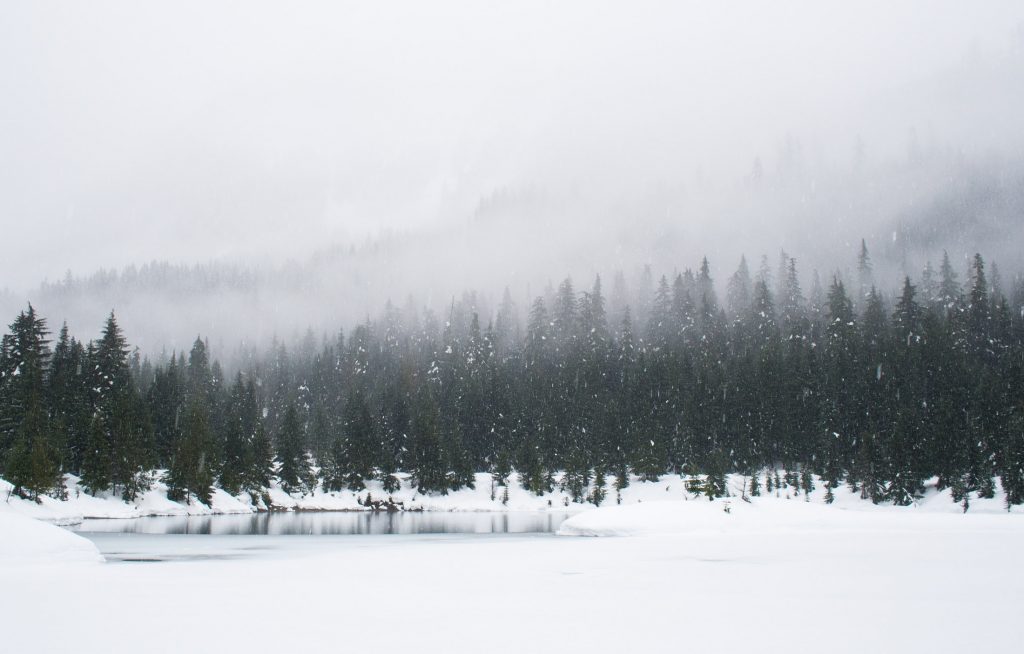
x=96, y=463
x=333, y=465
x=740, y=291
x=459, y=467
x=978, y=310
x=865, y=275
x=121, y=454
x=949, y=290
x=755, y=484
x=576, y=476
x=260, y=462
x=660, y=321
x=28, y=456
x=294, y=470
x=765, y=329
x=236, y=439
x=68, y=400
x=166, y=404
x=714, y=480
x=564, y=315
x=506, y=325
x=536, y=346
x=360, y=442
x=191, y=472
x=806, y=481
x=791, y=304
x=598, y=494
x=394, y=429
x=907, y=315
x=682, y=315
x=502, y=468
x=428, y=465
x=132, y=435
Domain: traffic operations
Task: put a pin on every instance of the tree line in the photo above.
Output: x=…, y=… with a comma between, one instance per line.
x=879, y=392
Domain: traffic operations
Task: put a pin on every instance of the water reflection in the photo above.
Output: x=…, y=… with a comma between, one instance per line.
x=333, y=523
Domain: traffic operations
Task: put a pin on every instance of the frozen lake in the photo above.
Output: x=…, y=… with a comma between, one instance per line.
x=861, y=578
x=179, y=538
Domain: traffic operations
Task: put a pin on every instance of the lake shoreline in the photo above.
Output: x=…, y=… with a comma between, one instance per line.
x=485, y=497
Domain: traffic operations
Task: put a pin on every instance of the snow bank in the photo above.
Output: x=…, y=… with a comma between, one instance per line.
x=650, y=518
x=80, y=504
x=700, y=516
x=27, y=541
x=724, y=515
x=779, y=514
x=485, y=496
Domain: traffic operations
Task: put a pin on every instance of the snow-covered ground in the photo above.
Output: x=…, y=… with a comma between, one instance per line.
x=484, y=497
x=680, y=572
x=772, y=575
x=764, y=516
x=24, y=541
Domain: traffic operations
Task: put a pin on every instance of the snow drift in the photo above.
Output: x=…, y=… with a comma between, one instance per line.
x=27, y=541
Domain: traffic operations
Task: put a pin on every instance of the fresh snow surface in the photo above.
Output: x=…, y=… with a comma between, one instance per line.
x=27, y=541
x=80, y=504
x=775, y=574
x=759, y=515
x=937, y=583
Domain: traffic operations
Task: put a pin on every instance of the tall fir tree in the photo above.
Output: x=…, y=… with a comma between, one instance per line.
x=294, y=470
x=28, y=454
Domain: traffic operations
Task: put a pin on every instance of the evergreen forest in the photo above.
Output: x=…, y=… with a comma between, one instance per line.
x=847, y=382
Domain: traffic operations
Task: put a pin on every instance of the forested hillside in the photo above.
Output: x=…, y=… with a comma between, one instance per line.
x=880, y=390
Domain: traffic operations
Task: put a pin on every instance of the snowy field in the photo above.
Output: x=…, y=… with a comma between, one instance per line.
x=684, y=575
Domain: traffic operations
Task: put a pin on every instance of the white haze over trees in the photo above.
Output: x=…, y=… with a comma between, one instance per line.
x=299, y=166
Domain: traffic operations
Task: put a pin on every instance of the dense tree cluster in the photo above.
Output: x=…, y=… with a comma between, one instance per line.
x=877, y=392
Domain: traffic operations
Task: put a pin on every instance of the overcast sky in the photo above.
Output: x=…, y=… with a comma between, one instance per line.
x=192, y=130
